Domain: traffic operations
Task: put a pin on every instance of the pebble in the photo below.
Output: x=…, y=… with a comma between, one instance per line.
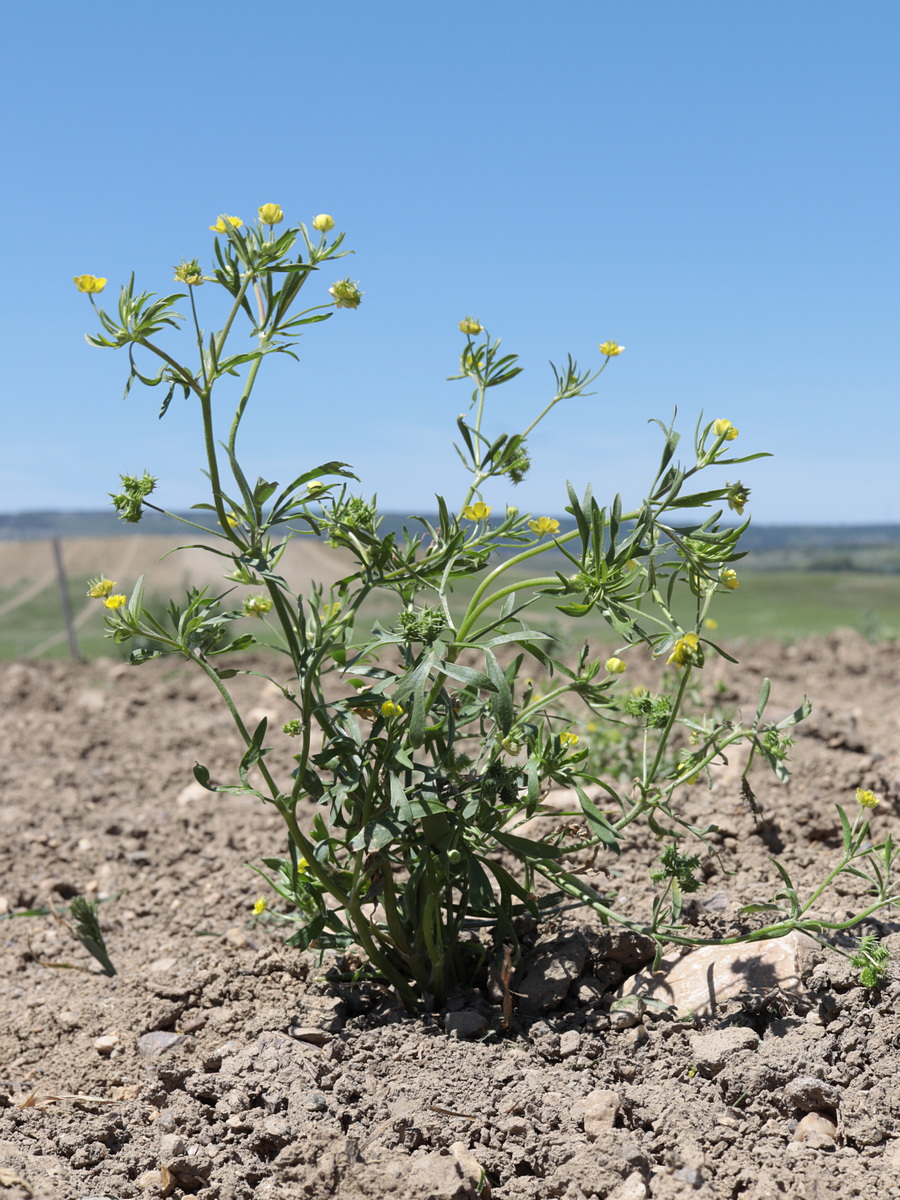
x=569, y=1043
x=817, y=1131
x=308, y=1033
x=632, y=1187
x=171, y=1145
x=598, y=1111
x=151, y=1045
x=106, y=1044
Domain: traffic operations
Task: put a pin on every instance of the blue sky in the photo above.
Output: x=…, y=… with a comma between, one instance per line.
x=713, y=185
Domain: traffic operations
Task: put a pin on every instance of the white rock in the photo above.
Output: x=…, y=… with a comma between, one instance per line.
x=631, y=1188
x=701, y=981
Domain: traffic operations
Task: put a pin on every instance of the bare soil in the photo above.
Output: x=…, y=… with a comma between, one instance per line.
x=220, y=1064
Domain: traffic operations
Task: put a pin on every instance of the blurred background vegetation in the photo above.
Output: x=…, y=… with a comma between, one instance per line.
x=795, y=581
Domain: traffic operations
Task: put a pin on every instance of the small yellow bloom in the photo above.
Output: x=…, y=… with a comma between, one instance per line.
x=390, y=709
x=232, y=519
x=323, y=222
x=544, y=525
x=723, y=428
x=221, y=226
x=115, y=602
x=611, y=349
x=866, y=798
x=568, y=739
x=257, y=606
x=260, y=906
x=477, y=512
x=315, y=485
x=470, y=326
x=346, y=294
x=686, y=652
x=616, y=666
x=729, y=579
x=270, y=214
x=89, y=283
x=100, y=587
x=302, y=866
x=711, y=623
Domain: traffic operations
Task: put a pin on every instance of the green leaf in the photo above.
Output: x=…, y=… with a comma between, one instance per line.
x=526, y=849
x=846, y=829
x=502, y=702
x=599, y=825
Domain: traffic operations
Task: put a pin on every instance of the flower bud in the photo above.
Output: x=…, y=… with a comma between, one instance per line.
x=346, y=294
x=257, y=606
x=866, y=798
x=270, y=214
x=390, y=709
x=611, y=349
x=615, y=666
x=568, y=739
x=189, y=273
x=470, y=327
x=115, y=602
x=89, y=283
x=729, y=579
x=324, y=223
x=221, y=226
x=260, y=906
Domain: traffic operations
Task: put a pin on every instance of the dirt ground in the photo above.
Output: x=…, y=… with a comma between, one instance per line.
x=220, y=1064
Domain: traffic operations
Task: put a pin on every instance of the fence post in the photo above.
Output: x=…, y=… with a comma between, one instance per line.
x=64, y=601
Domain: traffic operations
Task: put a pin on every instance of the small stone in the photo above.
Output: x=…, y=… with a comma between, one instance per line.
x=163, y=966
x=809, y=1093
x=569, y=1043
x=315, y=1102
x=471, y=1169
x=308, y=1033
x=816, y=1130
x=151, y=1045
x=598, y=1111
x=107, y=1043
x=171, y=1146
x=712, y=1050
x=631, y=1188
x=465, y=1024
x=67, y=1020
x=149, y=1181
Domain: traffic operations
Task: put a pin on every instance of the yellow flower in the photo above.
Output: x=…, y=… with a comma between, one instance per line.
x=470, y=326
x=544, y=525
x=390, y=709
x=257, y=606
x=729, y=579
x=568, y=739
x=346, y=294
x=323, y=222
x=89, y=283
x=723, y=428
x=686, y=652
x=100, y=587
x=711, y=623
x=866, y=798
x=260, y=906
x=616, y=666
x=114, y=602
x=221, y=226
x=302, y=866
x=479, y=511
x=315, y=485
x=271, y=214
x=611, y=349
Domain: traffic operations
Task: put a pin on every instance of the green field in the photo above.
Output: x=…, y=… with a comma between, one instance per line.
x=786, y=605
